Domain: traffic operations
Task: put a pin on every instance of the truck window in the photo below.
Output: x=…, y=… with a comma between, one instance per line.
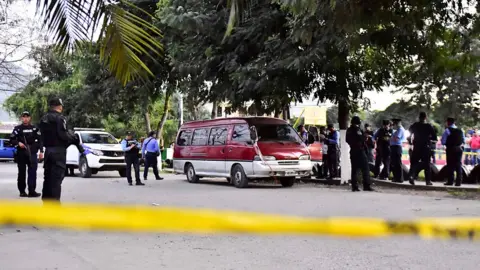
x=184, y=138
x=200, y=136
x=241, y=133
x=218, y=136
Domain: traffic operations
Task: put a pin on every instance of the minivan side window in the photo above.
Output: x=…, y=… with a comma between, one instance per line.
x=241, y=133
x=218, y=136
x=200, y=136
x=184, y=138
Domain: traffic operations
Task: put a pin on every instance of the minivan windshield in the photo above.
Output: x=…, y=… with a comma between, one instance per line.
x=101, y=138
x=277, y=133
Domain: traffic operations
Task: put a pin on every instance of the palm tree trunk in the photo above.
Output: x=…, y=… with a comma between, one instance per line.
x=214, y=110
x=148, y=124
x=168, y=94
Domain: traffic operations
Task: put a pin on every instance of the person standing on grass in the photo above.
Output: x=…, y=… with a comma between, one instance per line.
x=150, y=154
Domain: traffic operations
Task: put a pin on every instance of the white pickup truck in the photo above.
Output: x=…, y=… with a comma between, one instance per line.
x=102, y=153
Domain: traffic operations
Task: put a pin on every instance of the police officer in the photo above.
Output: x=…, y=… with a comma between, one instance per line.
x=422, y=134
x=453, y=138
x=396, y=142
x=56, y=140
x=27, y=140
x=356, y=138
x=150, y=152
x=382, y=137
x=132, y=151
x=370, y=142
x=333, y=142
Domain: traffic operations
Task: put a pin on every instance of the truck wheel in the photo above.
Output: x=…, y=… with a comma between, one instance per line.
x=191, y=175
x=287, y=182
x=85, y=171
x=239, y=178
x=122, y=172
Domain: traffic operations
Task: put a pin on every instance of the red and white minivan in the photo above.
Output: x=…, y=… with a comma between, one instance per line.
x=241, y=149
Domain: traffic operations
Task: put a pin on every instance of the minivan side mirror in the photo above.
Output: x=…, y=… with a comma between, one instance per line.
x=253, y=134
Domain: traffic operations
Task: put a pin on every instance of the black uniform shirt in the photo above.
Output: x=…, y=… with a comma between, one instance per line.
x=355, y=138
x=53, y=127
x=423, y=134
x=28, y=135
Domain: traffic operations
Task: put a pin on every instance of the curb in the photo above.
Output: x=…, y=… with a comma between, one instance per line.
x=383, y=183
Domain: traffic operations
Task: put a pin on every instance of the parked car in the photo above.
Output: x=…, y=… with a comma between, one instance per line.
x=7, y=150
x=241, y=149
x=103, y=152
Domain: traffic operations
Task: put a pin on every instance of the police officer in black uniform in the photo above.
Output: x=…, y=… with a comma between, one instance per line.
x=27, y=140
x=132, y=150
x=453, y=138
x=422, y=134
x=382, y=137
x=356, y=138
x=56, y=140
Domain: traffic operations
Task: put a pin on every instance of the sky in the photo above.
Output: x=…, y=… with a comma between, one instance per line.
x=26, y=9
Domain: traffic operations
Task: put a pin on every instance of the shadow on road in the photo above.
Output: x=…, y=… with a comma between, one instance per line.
x=256, y=185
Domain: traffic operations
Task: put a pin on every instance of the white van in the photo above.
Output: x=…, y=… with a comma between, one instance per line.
x=103, y=152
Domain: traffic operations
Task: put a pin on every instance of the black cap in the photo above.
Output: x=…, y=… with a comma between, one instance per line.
x=330, y=126
x=55, y=102
x=355, y=120
x=25, y=113
x=129, y=133
x=451, y=120
x=151, y=133
x=386, y=122
x=422, y=115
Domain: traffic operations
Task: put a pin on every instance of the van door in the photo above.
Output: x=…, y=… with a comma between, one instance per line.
x=216, y=151
x=198, y=151
x=240, y=149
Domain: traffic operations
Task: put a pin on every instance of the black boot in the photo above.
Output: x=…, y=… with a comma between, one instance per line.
x=23, y=194
x=139, y=183
x=34, y=194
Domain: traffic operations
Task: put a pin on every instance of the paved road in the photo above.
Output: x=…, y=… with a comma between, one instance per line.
x=30, y=248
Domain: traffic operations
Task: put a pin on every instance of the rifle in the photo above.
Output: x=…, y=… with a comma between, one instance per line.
x=27, y=147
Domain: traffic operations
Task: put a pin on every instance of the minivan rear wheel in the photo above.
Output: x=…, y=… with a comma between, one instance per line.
x=239, y=178
x=191, y=175
x=287, y=182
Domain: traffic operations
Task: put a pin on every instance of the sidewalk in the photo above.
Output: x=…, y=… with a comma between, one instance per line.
x=419, y=185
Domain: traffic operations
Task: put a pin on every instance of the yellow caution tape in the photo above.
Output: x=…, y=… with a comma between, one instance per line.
x=164, y=219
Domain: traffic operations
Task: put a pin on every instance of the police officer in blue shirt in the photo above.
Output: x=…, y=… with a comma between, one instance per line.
x=453, y=138
x=396, y=142
x=132, y=148
x=333, y=142
x=150, y=153
x=28, y=142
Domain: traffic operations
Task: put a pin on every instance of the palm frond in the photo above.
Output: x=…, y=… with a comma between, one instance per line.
x=124, y=37
x=127, y=37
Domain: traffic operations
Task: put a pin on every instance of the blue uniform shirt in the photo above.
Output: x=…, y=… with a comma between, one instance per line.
x=398, y=136
x=335, y=138
x=151, y=145
x=446, y=133
x=128, y=148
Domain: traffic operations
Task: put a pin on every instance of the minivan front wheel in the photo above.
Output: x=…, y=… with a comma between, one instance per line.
x=239, y=178
x=191, y=175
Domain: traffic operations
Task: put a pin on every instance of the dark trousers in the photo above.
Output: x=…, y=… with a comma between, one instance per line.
x=325, y=165
x=454, y=164
x=382, y=157
x=396, y=159
x=55, y=163
x=359, y=161
x=333, y=163
x=132, y=160
x=23, y=164
x=420, y=159
x=151, y=160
